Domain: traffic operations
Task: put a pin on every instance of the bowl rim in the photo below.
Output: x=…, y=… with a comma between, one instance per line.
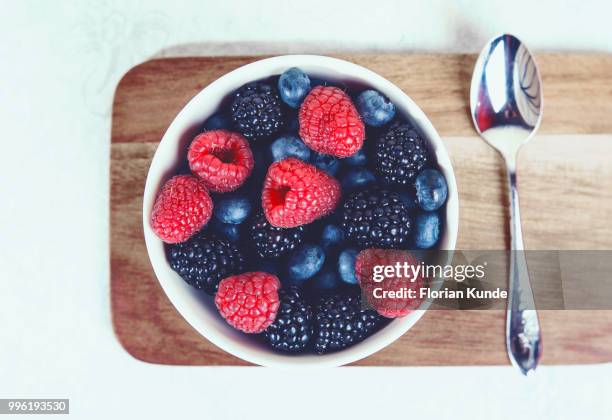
x=182, y=296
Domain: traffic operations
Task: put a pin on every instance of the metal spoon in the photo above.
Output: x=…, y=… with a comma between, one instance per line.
x=506, y=106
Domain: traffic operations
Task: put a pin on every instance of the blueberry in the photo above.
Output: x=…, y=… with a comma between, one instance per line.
x=374, y=108
x=305, y=262
x=426, y=229
x=346, y=266
x=331, y=235
x=289, y=146
x=232, y=208
x=218, y=121
x=326, y=280
x=431, y=189
x=356, y=178
x=293, y=86
x=358, y=159
x=326, y=163
x=226, y=230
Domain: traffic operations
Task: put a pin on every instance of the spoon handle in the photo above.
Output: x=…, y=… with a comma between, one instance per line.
x=523, y=338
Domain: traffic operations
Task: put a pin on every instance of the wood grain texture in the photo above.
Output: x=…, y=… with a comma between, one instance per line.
x=566, y=200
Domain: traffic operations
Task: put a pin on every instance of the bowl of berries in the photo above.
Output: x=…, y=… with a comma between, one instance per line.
x=273, y=194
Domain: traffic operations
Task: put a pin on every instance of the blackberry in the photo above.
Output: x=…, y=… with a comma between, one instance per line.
x=400, y=154
x=377, y=218
x=204, y=260
x=340, y=322
x=292, y=329
x=257, y=111
x=272, y=241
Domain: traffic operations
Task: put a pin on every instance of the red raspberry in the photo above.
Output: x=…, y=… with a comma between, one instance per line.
x=389, y=306
x=181, y=209
x=223, y=159
x=297, y=193
x=330, y=123
x=249, y=301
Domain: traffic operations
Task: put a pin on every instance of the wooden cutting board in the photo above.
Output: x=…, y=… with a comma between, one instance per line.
x=566, y=197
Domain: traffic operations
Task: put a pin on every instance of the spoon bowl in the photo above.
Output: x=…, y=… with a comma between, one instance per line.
x=506, y=94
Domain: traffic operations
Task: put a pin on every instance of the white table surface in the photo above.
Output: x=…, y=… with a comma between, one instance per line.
x=59, y=65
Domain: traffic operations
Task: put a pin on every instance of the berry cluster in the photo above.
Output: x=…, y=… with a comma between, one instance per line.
x=296, y=191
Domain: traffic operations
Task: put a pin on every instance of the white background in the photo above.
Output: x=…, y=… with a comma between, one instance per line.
x=59, y=65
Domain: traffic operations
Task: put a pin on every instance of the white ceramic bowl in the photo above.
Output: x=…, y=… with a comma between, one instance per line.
x=196, y=307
